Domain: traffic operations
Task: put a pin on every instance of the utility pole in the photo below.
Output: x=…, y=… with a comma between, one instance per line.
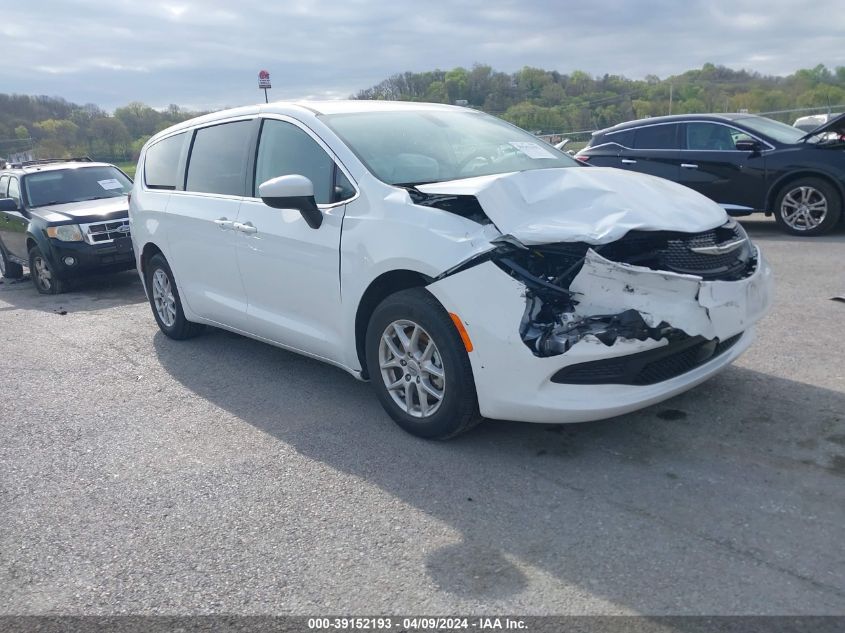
x=670, y=98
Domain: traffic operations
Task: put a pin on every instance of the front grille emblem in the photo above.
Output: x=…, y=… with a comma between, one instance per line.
x=718, y=249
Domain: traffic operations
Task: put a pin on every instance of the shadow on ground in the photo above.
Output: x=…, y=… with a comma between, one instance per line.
x=727, y=486
x=83, y=295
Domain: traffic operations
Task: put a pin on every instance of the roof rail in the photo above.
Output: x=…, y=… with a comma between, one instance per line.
x=46, y=161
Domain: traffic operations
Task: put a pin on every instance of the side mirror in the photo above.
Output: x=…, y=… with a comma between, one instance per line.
x=8, y=204
x=748, y=146
x=292, y=192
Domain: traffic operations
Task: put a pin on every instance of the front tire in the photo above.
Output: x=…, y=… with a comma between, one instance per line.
x=419, y=366
x=808, y=206
x=165, y=301
x=43, y=275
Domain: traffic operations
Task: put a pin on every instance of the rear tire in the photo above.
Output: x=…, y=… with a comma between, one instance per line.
x=419, y=366
x=8, y=268
x=42, y=274
x=165, y=301
x=808, y=206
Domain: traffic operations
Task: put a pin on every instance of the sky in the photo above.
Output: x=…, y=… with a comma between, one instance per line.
x=206, y=54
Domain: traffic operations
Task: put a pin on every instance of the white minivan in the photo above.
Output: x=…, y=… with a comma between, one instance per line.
x=463, y=266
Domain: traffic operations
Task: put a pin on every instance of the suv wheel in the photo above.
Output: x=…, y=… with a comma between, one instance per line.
x=419, y=367
x=808, y=206
x=43, y=276
x=165, y=302
x=9, y=269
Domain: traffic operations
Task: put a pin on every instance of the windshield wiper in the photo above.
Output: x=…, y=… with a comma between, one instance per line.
x=95, y=198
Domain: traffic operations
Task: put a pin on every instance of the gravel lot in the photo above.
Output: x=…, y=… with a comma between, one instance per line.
x=144, y=475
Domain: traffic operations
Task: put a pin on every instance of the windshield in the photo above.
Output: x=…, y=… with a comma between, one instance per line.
x=60, y=186
x=413, y=147
x=781, y=132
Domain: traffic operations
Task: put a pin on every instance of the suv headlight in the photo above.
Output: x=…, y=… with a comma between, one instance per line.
x=65, y=232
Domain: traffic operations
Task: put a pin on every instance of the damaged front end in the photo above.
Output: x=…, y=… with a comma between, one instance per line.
x=621, y=290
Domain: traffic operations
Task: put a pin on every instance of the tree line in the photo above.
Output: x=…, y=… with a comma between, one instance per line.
x=550, y=101
x=56, y=128
x=532, y=98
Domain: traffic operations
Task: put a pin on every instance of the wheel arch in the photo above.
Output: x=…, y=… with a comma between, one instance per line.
x=784, y=180
x=379, y=289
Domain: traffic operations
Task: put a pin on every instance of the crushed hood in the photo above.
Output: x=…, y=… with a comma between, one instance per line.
x=595, y=205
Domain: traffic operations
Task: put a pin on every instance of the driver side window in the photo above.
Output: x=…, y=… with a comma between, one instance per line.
x=285, y=149
x=713, y=137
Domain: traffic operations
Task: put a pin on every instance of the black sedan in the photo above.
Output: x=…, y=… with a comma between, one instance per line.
x=746, y=163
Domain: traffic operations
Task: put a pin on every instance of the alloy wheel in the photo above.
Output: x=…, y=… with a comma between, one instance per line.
x=165, y=302
x=412, y=368
x=803, y=208
x=42, y=273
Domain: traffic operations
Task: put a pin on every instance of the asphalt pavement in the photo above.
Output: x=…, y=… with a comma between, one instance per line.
x=221, y=475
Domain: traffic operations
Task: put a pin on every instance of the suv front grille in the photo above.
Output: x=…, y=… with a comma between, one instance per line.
x=103, y=232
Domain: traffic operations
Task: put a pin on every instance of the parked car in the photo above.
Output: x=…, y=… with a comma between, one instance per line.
x=746, y=163
x=464, y=267
x=63, y=219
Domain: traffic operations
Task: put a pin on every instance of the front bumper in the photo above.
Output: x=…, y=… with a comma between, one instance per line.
x=91, y=258
x=514, y=384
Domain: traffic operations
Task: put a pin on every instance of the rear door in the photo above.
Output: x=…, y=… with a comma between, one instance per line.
x=714, y=167
x=290, y=270
x=13, y=223
x=201, y=219
x=654, y=150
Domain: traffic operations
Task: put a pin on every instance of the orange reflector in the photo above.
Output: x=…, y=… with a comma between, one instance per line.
x=462, y=331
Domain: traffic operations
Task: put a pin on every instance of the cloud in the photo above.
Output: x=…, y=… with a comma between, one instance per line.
x=207, y=53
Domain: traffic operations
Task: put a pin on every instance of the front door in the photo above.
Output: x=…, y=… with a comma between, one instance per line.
x=13, y=224
x=713, y=166
x=289, y=270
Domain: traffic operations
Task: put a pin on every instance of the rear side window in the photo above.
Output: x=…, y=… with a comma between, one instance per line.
x=4, y=184
x=625, y=139
x=218, y=159
x=656, y=137
x=161, y=166
x=285, y=149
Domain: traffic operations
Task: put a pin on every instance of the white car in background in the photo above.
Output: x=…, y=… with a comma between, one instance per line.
x=465, y=268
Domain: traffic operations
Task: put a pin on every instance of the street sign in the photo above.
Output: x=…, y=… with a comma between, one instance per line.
x=264, y=80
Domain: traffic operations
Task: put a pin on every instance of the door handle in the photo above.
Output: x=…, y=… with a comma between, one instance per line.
x=629, y=161
x=689, y=166
x=224, y=224
x=245, y=227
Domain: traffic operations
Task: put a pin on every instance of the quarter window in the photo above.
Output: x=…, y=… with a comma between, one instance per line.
x=161, y=165
x=285, y=149
x=218, y=159
x=656, y=137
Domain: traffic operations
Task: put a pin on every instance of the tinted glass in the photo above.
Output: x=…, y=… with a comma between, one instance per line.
x=419, y=146
x=712, y=136
x=656, y=137
x=218, y=159
x=625, y=139
x=161, y=166
x=60, y=186
x=285, y=149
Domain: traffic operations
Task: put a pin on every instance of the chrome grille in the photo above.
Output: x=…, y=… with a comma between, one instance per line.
x=104, y=232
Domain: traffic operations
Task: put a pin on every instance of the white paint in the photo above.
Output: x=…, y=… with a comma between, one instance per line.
x=596, y=205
